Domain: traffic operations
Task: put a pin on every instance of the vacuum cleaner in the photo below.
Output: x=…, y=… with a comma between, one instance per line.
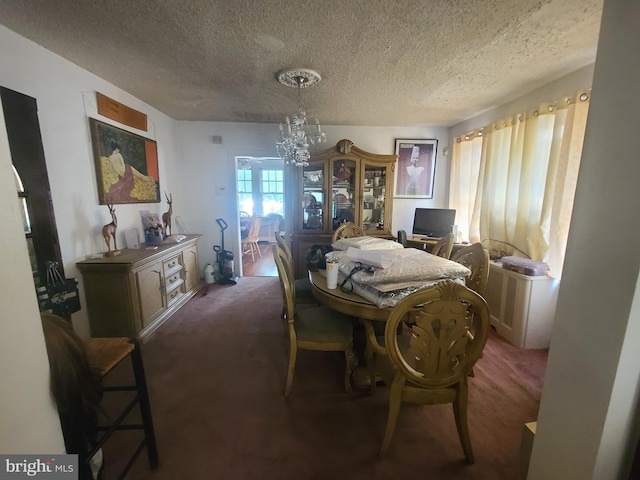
x=225, y=259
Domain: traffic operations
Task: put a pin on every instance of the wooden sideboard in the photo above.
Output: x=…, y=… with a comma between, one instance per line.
x=132, y=294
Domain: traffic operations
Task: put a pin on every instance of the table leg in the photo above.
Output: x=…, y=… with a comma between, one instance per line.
x=364, y=377
x=360, y=376
x=371, y=365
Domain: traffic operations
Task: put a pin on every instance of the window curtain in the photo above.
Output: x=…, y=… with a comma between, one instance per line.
x=527, y=173
x=465, y=170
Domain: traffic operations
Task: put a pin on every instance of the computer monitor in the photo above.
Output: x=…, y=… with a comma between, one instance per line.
x=433, y=222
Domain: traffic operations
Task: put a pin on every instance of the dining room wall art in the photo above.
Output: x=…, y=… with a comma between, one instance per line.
x=416, y=168
x=126, y=165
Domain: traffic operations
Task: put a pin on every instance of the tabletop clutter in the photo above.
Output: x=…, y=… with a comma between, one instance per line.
x=383, y=271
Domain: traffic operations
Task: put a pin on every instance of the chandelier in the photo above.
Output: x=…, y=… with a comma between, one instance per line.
x=296, y=133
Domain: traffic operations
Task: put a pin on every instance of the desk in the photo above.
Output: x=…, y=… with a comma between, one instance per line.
x=427, y=244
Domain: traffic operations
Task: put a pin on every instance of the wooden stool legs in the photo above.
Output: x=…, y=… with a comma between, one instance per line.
x=104, y=355
x=145, y=406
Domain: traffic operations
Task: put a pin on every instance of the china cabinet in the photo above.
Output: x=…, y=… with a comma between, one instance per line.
x=340, y=184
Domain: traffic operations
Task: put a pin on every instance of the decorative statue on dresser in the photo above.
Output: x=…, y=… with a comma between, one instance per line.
x=109, y=232
x=166, y=217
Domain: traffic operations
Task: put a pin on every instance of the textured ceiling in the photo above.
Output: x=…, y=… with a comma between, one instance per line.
x=382, y=62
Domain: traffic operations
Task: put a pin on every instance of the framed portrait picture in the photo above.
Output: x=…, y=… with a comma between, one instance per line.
x=126, y=165
x=416, y=168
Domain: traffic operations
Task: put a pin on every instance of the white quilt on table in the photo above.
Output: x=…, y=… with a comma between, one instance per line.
x=411, y=270
x=366, y=243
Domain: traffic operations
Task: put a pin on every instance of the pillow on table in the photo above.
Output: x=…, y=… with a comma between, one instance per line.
x=366, y=243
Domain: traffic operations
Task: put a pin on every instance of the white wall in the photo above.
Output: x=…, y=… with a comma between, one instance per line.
x=65, y=95
x=210, y=168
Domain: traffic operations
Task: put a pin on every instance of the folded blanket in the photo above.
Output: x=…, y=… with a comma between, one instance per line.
x=375, y=258
x=410, y=267
x=388, y=298
x=366, y=243
x=392, y=297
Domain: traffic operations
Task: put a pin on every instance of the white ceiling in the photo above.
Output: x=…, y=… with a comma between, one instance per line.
x=382, y=62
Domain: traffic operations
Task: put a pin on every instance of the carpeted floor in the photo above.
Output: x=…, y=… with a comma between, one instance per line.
x=216, y=372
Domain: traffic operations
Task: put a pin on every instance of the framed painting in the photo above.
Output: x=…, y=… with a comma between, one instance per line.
x=126, y=165
x=416, y=168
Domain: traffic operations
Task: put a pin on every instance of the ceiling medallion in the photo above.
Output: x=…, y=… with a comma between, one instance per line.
x=306, y=77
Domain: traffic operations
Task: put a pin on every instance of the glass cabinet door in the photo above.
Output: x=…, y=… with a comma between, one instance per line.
x=343, y=192
x=374, y=196
x=312, y=197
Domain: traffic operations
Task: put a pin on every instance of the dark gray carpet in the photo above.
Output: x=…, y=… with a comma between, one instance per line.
x=216, y=373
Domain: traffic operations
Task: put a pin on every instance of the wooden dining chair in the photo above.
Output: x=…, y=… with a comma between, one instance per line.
x=301, y=286
x=443, y=246
x=250, y=243
x=314, y=328
x=347, y=230
x=476, y=258
x=432, y=361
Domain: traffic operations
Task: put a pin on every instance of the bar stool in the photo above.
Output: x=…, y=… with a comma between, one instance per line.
x=104, y=354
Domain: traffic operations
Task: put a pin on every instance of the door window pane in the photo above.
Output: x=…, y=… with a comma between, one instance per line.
x=272, y=192
x=245, y=188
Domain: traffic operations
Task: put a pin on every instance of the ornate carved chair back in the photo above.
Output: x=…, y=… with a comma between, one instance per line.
x=476, y=258
x=432, y=363
x=444, y=246
x=347, y=230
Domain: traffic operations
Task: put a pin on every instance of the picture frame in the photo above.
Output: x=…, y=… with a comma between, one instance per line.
x=126, y=165
x=415, y=168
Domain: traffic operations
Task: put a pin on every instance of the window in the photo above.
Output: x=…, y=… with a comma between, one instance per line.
x=513, y=182
x=245, y=191
x=272, y=192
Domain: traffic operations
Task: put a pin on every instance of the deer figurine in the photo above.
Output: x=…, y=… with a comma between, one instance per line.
x=109, y=232
x=166, y=217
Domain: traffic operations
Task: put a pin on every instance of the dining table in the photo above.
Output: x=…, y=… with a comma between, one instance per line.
x=371, y=314
x=363, y=376
x=345, y=302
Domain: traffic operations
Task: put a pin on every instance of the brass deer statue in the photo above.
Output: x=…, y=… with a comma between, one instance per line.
x=166, y=217
x=109, y=232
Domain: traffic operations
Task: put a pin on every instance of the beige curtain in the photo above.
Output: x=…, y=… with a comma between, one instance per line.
x=465, y=169
x=527, y=175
